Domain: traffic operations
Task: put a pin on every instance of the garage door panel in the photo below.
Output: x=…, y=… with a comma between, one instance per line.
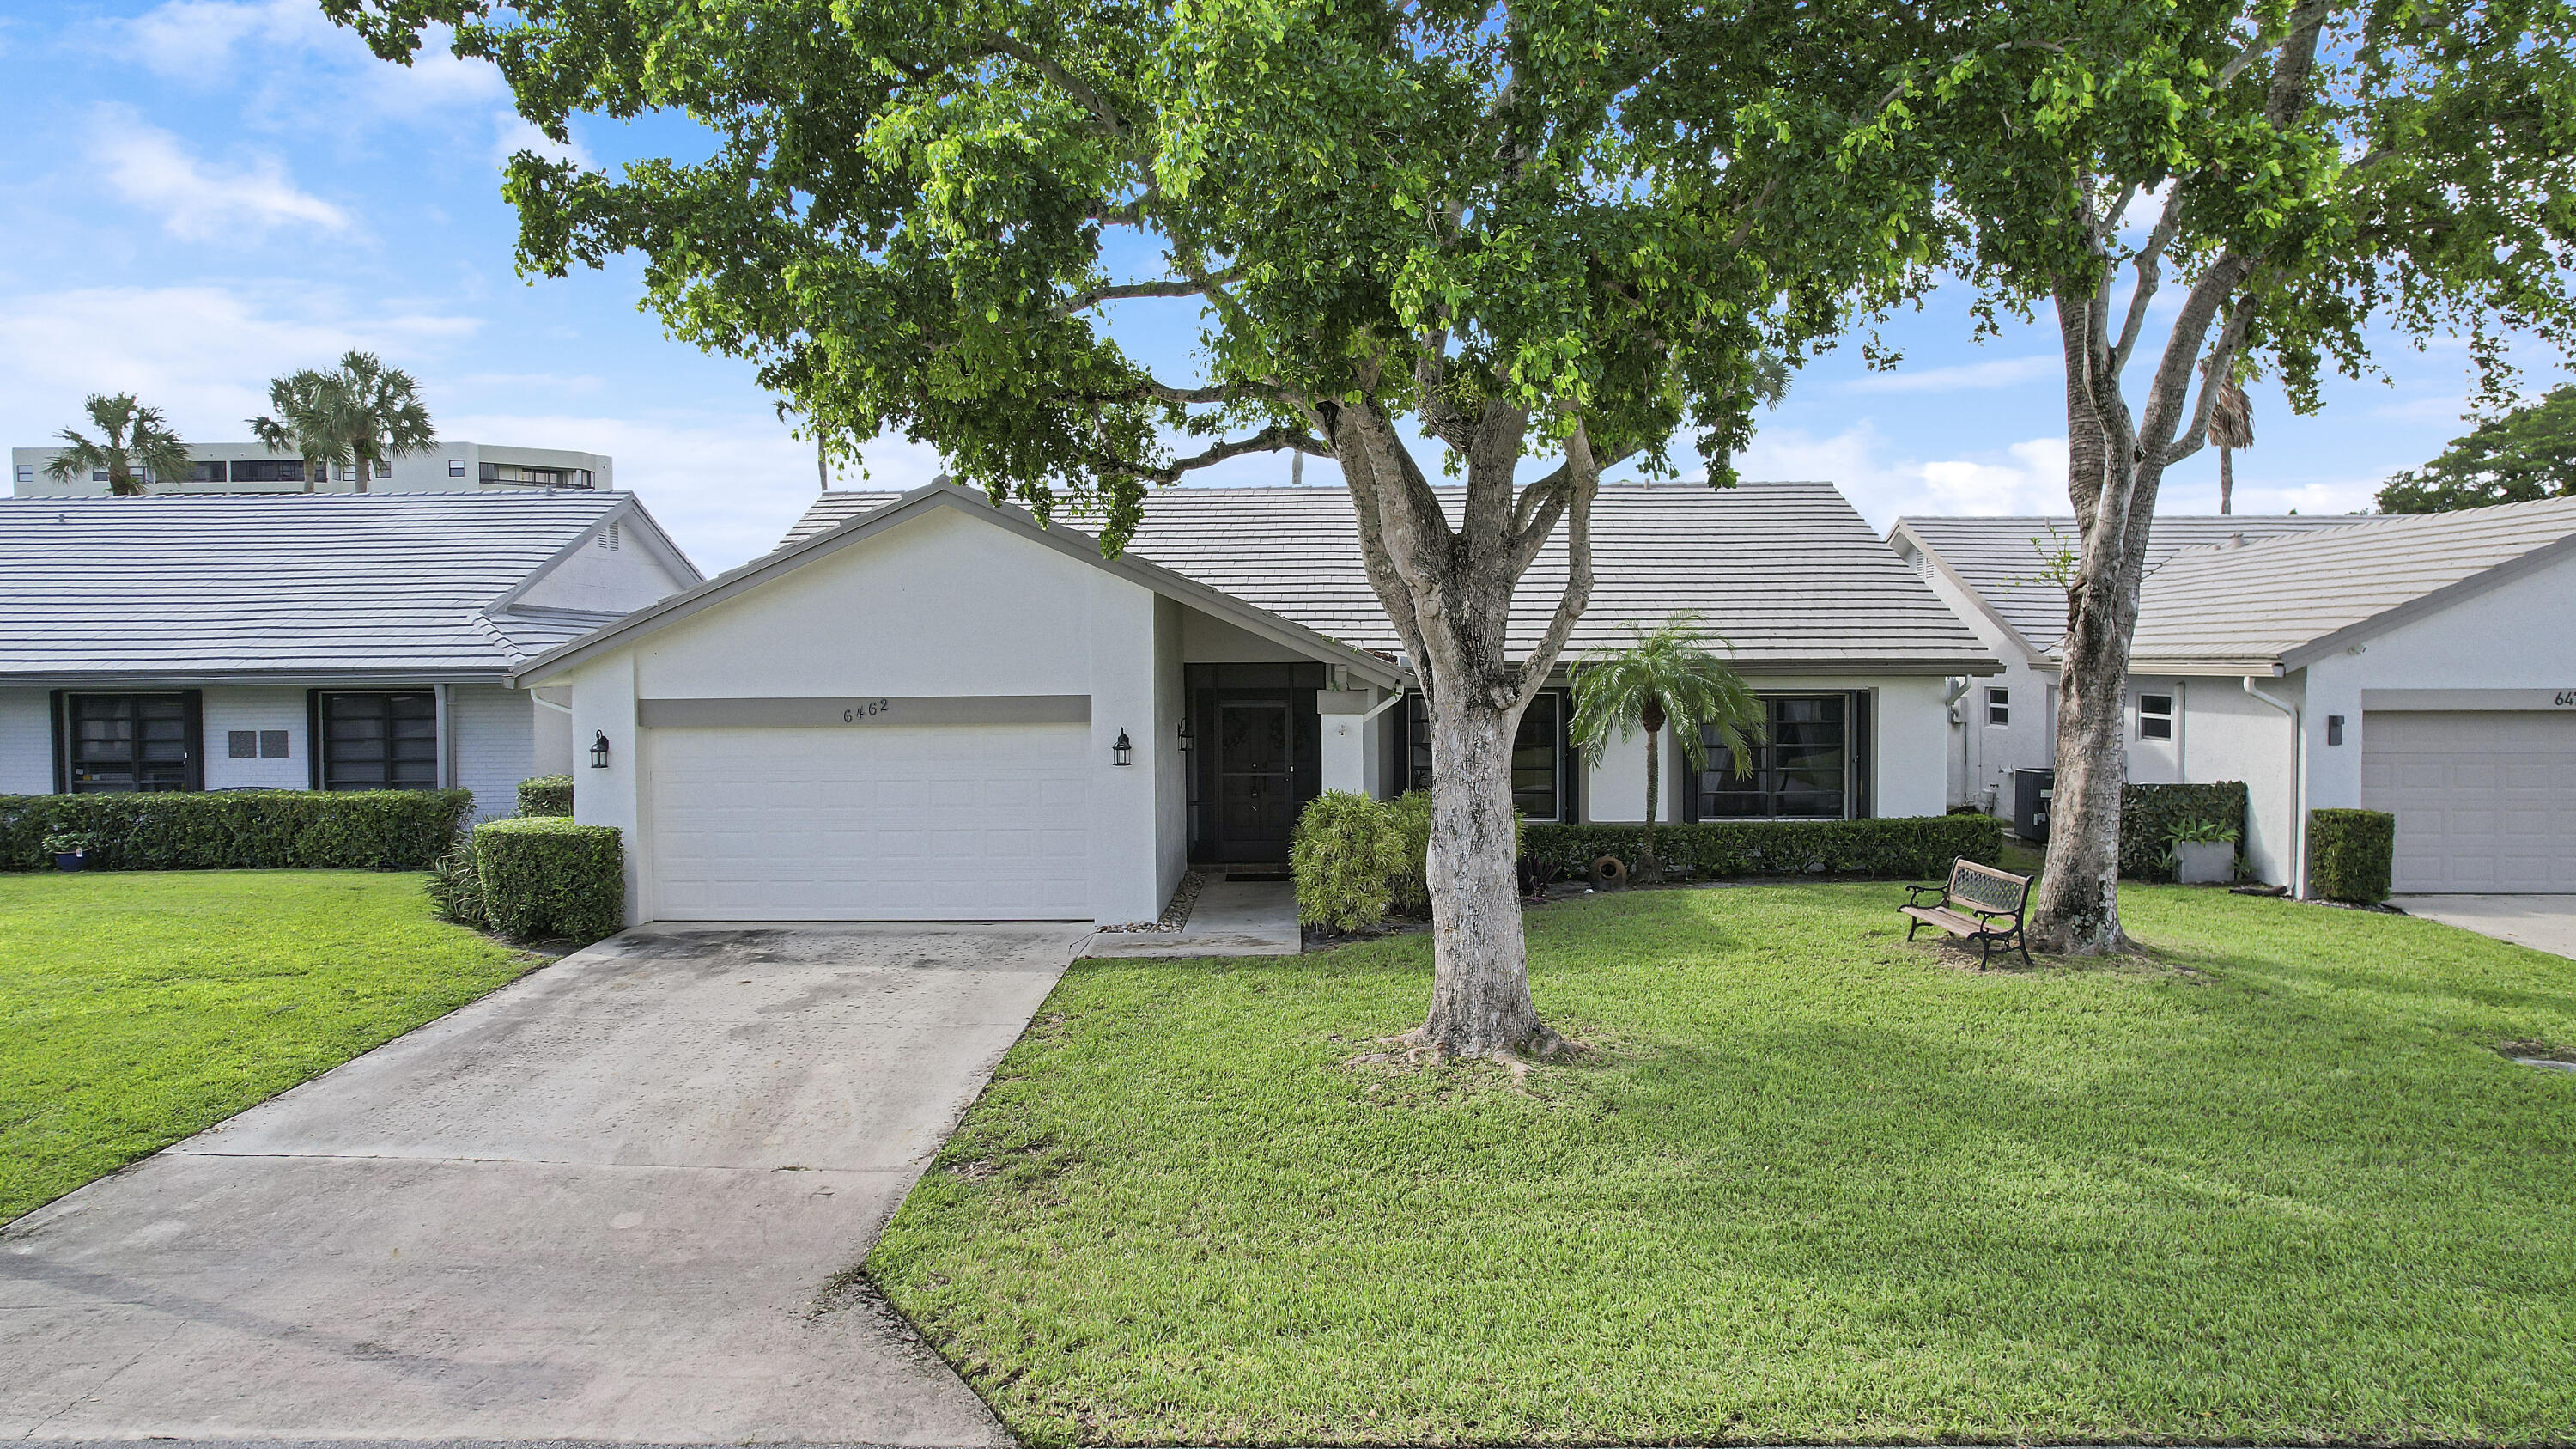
x=2485, y=801
x=976, y=823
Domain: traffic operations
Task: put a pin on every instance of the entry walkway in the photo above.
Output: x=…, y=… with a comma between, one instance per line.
x=617, y=1200
x=1230, y=918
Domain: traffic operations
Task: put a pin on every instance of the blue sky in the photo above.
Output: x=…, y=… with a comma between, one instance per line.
x=205, y=193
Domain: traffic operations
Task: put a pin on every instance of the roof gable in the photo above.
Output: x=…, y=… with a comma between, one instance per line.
x=1788, y=573
x=177, y=586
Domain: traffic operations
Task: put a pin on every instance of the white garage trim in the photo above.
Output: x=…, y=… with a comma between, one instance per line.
x=2485, y=800
x=980, y=822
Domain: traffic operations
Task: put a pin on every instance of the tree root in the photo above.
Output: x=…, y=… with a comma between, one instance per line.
x=1415, y=1049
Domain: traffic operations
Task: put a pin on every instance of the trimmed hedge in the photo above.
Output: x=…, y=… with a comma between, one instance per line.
x=2350, y=854
x=238, y=829
x=546, y=795
x=544, y=877
x=2148, y=814
x=1905, y=848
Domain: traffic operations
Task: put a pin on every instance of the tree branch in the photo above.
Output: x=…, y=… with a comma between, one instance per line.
x=1268, y=440
x=1578, y=567
x=1103, y=114
x=1128, y=291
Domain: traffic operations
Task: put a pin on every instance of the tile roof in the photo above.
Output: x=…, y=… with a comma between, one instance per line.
x=2272, y=601
x=2001, y=558
x=1786, y=572
x=179, y=585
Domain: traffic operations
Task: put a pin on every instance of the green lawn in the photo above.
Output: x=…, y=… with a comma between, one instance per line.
x=138, y=1008
x=1811, y=1185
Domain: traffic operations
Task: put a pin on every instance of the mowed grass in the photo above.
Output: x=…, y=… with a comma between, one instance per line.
x=138, y=1008
x=1811, y=1184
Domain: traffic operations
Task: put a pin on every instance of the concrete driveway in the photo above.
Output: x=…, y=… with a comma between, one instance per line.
x=612, y=1201
x=2546, y=923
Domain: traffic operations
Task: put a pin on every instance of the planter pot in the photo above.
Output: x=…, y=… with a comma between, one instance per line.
x=2204, y=862
x=69, y=860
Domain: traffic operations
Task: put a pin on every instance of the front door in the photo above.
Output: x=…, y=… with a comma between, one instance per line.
x=1256, y=783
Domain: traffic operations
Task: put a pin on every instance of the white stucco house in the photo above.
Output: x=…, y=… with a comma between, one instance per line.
x=304, y=641
x=2423, y=665
x=924, y=706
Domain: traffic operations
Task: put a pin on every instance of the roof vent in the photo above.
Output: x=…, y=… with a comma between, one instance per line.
x=608, y=538
x=2235, y=540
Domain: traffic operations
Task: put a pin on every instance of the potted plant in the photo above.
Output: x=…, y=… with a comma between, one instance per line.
x=2204, y=852
x=70, y=849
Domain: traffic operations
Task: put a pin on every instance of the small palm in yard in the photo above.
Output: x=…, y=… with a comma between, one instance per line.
x=134, y=444
x=360, y=414
x=1665, y=675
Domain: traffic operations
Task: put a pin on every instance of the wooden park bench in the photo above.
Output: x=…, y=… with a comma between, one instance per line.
x=1980, y=903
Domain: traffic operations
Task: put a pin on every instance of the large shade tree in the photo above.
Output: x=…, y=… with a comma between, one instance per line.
x=1545, y=237
x=2191, y=185
x=2520, y=456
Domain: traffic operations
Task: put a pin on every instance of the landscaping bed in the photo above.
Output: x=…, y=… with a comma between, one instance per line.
x=2277, y=1183
x=136, y=1009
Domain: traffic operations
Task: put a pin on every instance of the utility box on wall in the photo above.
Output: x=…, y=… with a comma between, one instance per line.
x=2032, y=792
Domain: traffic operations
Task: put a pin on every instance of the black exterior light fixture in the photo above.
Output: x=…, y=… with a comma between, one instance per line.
x=1123, y=752
x=599, y=750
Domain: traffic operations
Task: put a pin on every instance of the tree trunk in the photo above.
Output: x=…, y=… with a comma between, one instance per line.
x=2226, y=479
x=1480, y=994
x=1650, y=867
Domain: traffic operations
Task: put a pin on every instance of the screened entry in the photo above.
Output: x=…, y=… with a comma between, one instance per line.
x=1811, y=763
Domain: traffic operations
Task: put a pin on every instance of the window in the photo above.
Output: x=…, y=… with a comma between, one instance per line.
x=384, y=469
x=533, y=477
x=455, y=467
x=206, y=470
x=98, y=475
x=378, y=741
x=26, y=472
x=269, y=470
x=1538, y=755
x=1803, y=769
x=2155, y=716
x=122, y=743
x=1999, y=706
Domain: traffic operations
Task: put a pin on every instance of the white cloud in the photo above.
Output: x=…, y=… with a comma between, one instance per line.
x=2023, y=477
x=2000, y=372
x=197, y=200
x=195, y=39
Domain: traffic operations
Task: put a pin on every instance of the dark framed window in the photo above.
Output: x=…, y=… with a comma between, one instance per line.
x=2155, y=716
x=376, y=740
x=268, y=470
x=1999, y=706
x=114, y=744
x=1539, y=755
x=1808, y=766
x=207, y=470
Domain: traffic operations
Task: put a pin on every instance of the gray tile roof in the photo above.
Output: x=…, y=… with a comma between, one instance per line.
x=2284, y=599
x=1787, y=572
x=176, y=585
x=2000, y=558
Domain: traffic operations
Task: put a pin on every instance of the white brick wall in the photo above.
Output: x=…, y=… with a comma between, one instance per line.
x=26, y=742
x=494, y=735
x=255, y=707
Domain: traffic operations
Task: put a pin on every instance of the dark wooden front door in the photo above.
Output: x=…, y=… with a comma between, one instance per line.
x=1256, y=784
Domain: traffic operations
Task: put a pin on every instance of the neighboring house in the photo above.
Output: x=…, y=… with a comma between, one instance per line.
x=924, y=706
x=2423, y=665
x=330, y=642
x=444, y=467
x=1997, y=573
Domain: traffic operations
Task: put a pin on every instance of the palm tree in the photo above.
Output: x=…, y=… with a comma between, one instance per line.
x=134, y=445
x=1664, y=675
x=358, y=414
x=2231, y=426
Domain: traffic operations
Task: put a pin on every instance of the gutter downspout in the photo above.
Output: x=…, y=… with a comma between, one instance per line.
x=2298, y=788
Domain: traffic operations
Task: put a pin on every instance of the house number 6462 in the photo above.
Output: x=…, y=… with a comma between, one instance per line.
x=858, y=712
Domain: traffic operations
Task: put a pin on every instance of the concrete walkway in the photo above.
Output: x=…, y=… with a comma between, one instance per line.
x=613, y=1201
x=1230, y=918
x=2544, y=923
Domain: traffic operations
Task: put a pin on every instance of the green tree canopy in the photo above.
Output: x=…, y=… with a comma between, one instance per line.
x=134, y=444
x=2525, y=455
x=1526, y=228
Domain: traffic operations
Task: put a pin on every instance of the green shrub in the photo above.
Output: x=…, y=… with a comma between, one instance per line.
x=2149, y=813
x=1343, y=854
x=544, y=877
x=2350, y=853
x=546, y=795
x=456, y=887
x=1904, y=848
x=237, y=829
x=1409, y=887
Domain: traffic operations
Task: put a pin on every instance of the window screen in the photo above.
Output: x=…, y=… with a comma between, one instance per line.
x=380, y=741
x=122, y=743
x=1538, y=755
x=1800, y=770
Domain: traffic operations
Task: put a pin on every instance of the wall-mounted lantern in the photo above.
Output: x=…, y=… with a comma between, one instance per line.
x=1123, y=752
x=599, y=750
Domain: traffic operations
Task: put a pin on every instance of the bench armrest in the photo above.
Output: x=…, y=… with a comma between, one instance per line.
x=1914, y=893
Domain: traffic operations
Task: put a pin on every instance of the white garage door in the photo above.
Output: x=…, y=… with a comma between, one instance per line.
x=884, y=823
x=2484, y=801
